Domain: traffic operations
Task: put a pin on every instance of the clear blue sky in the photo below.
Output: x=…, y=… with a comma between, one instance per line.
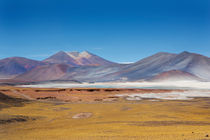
x=118, y=30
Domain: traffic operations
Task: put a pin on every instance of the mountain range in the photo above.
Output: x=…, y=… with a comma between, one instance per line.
x=88, y=67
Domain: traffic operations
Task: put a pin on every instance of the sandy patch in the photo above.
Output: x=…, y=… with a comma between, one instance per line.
x=83, y=115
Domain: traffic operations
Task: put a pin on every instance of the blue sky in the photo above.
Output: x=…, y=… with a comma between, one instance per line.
x=118, y=30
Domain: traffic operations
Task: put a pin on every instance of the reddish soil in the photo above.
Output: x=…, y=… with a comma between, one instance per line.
x=73, y=94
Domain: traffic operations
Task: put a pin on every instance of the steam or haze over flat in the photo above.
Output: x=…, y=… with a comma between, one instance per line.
x=118, y=30
x=187, y=95
x=155, y=85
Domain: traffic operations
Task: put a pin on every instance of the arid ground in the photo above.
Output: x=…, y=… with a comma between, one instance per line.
x=98, y=114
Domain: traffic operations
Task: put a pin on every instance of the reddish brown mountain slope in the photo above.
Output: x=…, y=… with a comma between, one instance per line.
x=44, y=73
x=174, y=75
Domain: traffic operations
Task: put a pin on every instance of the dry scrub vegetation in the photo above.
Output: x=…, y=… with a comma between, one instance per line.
x=121, y=119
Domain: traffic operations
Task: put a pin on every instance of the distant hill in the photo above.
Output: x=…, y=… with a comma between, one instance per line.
x=146, y=67
x=12, y=66
x=149, y=67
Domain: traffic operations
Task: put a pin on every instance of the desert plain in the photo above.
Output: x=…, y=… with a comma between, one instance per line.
x=101, y=114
